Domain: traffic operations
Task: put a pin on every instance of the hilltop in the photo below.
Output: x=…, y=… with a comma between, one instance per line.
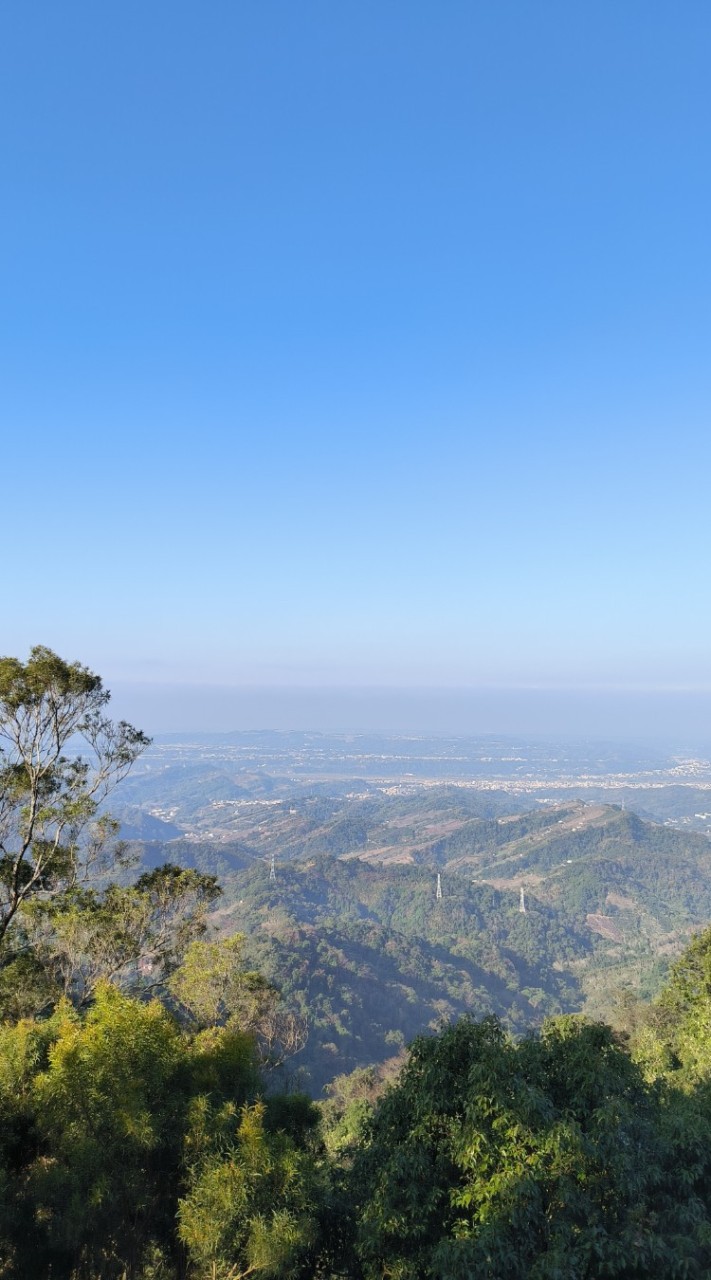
x=353, y=934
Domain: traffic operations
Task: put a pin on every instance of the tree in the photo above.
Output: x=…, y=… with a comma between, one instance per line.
x=213, y=988
x=131, y=935
x=252, y=1199
x=52, y=836
x=97, y=1110
x=547, y=1158
x=672, y=1039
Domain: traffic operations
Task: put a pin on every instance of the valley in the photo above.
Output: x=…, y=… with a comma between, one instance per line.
x=328, y=851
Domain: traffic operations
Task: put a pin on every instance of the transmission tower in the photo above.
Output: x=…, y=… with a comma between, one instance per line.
x=522, y=903
x=438, y=895
x=272, y=870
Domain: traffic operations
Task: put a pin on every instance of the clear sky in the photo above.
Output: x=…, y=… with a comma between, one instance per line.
x=358, y=344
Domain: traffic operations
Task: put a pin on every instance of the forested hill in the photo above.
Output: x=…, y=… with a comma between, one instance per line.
x=354, y=936
x=370, y=957
x=144, y=1133
x=293, y=821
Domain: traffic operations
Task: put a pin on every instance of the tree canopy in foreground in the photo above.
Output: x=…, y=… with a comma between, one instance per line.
x=141, y=1140
x=136, y=1146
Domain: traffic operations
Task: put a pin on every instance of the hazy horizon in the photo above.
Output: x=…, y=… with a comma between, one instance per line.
x=676, y=720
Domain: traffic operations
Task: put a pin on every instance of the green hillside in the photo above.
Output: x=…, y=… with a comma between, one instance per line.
x=352, y=933
x=370, y=957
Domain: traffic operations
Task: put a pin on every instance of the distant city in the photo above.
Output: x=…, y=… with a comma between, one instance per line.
x=262, y=768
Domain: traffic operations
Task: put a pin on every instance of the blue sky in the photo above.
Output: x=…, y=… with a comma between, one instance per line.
x=358, y=344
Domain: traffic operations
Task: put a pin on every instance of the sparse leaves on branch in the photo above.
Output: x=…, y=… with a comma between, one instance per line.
x=133, y=936
x=60, y=756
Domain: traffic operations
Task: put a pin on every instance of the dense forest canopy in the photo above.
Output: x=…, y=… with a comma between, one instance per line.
x=137, y=1143
x=145, y=1132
